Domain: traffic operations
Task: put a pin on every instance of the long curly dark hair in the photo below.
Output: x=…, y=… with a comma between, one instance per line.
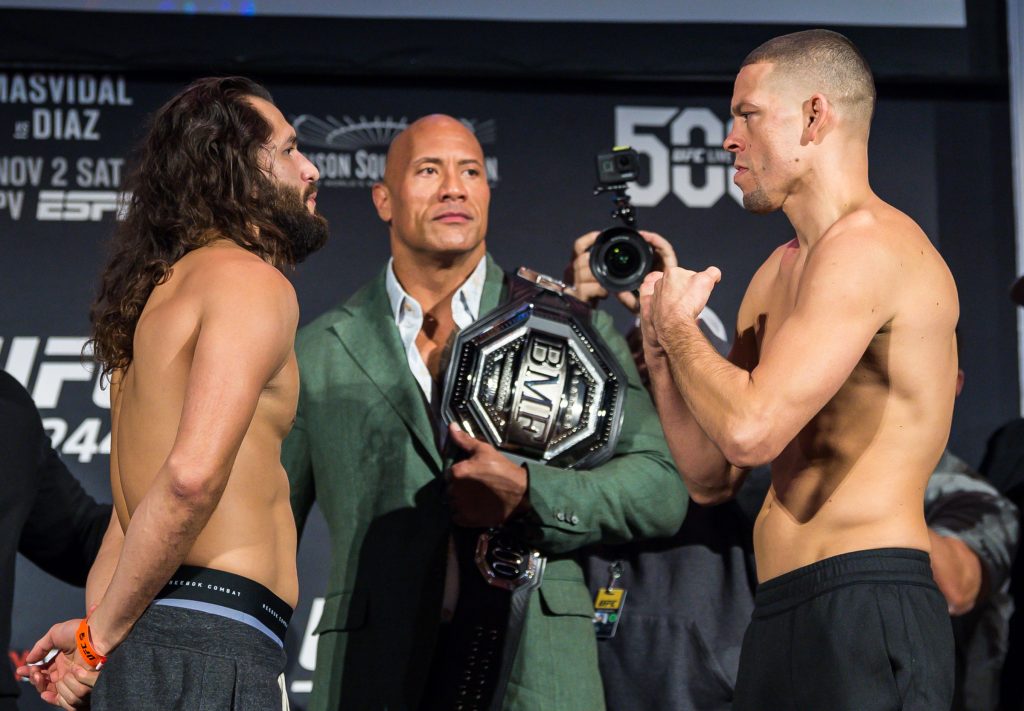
x=197, y=177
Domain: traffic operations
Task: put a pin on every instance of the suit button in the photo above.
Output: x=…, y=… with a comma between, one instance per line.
x=560, y=516
x=574, y=520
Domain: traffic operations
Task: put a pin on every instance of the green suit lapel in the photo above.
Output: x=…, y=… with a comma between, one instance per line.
x=368, y=332
x=494, y=288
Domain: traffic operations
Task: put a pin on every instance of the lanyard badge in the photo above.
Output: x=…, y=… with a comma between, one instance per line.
x=608, y=604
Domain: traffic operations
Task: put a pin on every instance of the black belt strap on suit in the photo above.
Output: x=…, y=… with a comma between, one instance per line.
x=477, y=649
x=475, y=652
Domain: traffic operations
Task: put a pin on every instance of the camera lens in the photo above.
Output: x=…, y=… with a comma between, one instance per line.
x=620, y=259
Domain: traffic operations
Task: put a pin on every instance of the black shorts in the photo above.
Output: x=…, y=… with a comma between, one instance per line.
x=864, y=631
x=186, y=652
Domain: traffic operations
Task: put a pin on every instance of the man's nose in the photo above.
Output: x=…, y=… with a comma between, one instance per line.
x=732, y=143
x=309, y=171
x=452, y=187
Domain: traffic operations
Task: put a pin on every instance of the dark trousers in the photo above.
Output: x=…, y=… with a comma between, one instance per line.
x=864, y=631
x=193, y=661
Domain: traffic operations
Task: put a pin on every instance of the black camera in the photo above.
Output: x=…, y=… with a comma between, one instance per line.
x=620, y=257
x=618, y=167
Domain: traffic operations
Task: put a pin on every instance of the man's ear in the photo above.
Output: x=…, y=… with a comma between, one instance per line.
x=818, y=118
x=382, y=201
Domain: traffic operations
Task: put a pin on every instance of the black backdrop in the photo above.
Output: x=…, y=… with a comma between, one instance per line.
x=541, y=109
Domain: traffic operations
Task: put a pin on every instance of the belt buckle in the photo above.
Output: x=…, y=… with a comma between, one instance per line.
x=506, y=562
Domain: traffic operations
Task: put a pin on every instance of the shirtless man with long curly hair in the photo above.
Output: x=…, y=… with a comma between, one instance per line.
x=194, y=323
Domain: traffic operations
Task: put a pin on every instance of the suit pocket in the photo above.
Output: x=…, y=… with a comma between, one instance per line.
x=566, y=597
x=344, y=611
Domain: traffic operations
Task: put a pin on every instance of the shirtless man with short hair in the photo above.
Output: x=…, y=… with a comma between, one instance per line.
x=841, y=376
x=195, y=323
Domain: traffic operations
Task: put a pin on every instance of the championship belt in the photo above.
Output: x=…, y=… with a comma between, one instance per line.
x=535, y=380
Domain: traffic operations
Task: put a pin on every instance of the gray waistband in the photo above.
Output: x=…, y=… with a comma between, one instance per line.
x=221, y=611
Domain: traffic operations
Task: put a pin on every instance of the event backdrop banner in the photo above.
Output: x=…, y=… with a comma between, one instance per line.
x=65, y=141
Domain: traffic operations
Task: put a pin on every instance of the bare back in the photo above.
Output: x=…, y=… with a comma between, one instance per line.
x=854, y=477
x=251, y=532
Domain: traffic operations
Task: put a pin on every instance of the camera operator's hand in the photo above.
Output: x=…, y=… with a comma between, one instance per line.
x=584, y=284
x=578, y=274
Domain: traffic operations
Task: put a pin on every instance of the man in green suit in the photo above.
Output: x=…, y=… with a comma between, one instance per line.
x=367, y=445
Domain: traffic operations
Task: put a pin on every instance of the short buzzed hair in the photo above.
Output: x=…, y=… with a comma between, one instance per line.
x=826, y=59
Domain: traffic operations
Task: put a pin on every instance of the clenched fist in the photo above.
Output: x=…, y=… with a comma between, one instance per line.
x=670, y=298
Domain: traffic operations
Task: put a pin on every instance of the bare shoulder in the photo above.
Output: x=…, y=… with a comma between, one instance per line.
x=876, y=242
x=880, y=250
x=225, y=276
x=877, y=233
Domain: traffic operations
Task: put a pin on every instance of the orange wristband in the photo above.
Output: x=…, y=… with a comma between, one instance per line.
x=92, y=658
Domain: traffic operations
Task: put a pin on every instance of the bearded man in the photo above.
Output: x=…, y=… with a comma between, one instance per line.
x=195, y=325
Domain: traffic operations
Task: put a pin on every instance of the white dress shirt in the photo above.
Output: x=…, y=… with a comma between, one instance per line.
x=409, y=317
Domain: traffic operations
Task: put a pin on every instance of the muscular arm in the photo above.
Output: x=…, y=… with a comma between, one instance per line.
x=689, y=446
x=246, y=329
x=750, y=415
x=106, y=560
x=709, y=476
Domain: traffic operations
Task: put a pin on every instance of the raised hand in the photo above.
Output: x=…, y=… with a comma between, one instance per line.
x=649, y=333
x=585, y=286
x=680, y=295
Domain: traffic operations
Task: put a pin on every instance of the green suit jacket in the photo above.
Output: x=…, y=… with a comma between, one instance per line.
x=364, y=446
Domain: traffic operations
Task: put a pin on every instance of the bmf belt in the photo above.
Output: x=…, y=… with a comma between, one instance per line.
x=535, y=380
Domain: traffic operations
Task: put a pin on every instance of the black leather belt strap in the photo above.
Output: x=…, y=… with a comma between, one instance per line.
x=476, y=650
x=520, y=287
x=469, y=649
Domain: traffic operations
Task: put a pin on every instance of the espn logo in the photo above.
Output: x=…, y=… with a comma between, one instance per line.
x=79, y=205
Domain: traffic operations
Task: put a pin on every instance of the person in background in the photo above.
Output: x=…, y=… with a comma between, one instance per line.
x=397, y=489
x=688, y=596
x=1003, y=465
x=47, y=517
